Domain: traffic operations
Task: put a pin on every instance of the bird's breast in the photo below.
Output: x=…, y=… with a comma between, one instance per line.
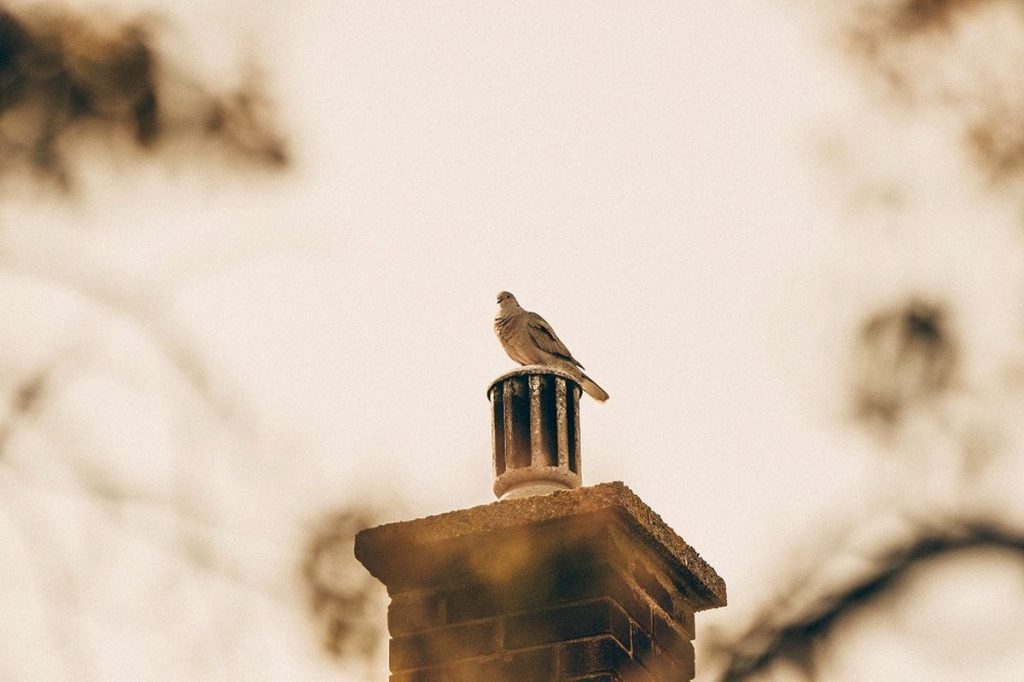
x=502, y=326
x=506, y=328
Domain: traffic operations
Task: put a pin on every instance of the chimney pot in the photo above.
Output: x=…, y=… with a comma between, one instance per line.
x=535, y=428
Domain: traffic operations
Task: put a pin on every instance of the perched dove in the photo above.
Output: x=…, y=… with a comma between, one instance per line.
x=529, y=340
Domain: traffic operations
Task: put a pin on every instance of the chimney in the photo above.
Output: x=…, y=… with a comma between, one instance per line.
x=552, y=582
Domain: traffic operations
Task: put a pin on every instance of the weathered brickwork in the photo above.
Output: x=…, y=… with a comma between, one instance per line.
x=583, y=596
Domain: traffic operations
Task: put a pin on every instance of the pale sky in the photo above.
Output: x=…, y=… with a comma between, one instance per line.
x=692, y=194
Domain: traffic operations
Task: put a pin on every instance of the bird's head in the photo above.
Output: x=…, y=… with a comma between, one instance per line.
x=507, y=301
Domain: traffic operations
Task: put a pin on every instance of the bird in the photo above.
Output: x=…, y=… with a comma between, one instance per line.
x=529, y=340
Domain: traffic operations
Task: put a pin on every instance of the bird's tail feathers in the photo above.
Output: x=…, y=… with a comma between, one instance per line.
x=592, y=389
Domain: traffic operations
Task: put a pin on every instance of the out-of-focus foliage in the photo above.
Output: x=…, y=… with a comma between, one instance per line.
x=344, y=597
x=906, y=357
x=65, y=74
x=961, y=57
x=147, y=531
x=793, y=632
x=957, y=66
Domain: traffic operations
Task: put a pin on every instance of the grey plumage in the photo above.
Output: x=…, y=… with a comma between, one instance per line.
x=529, y=340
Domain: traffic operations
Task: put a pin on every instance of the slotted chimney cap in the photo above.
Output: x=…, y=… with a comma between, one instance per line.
x=535, y=432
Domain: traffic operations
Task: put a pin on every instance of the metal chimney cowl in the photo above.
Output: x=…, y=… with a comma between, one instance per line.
x=535, y=432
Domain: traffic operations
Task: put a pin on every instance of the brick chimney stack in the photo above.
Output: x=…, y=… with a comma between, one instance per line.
x=552, y=582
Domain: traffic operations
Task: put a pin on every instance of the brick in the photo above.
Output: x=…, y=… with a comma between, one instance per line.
x=554, y=580
x=662, y=666
x=533, y=665
x=564, y=623
x=422, y=675
x=642, y=644
x=680, y=613
x=474, y=602
x=412, y=612
x=444, y=644
x=582, y=577
x=595, y=655
x=672, y=638
x=631, y=598
x=637, y=673
x=682, y=617
x=652, y=586
x=648, y=577
x=658, y=664
x=634, y=672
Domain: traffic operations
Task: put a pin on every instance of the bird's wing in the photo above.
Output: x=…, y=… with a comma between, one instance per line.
x=544, y=336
